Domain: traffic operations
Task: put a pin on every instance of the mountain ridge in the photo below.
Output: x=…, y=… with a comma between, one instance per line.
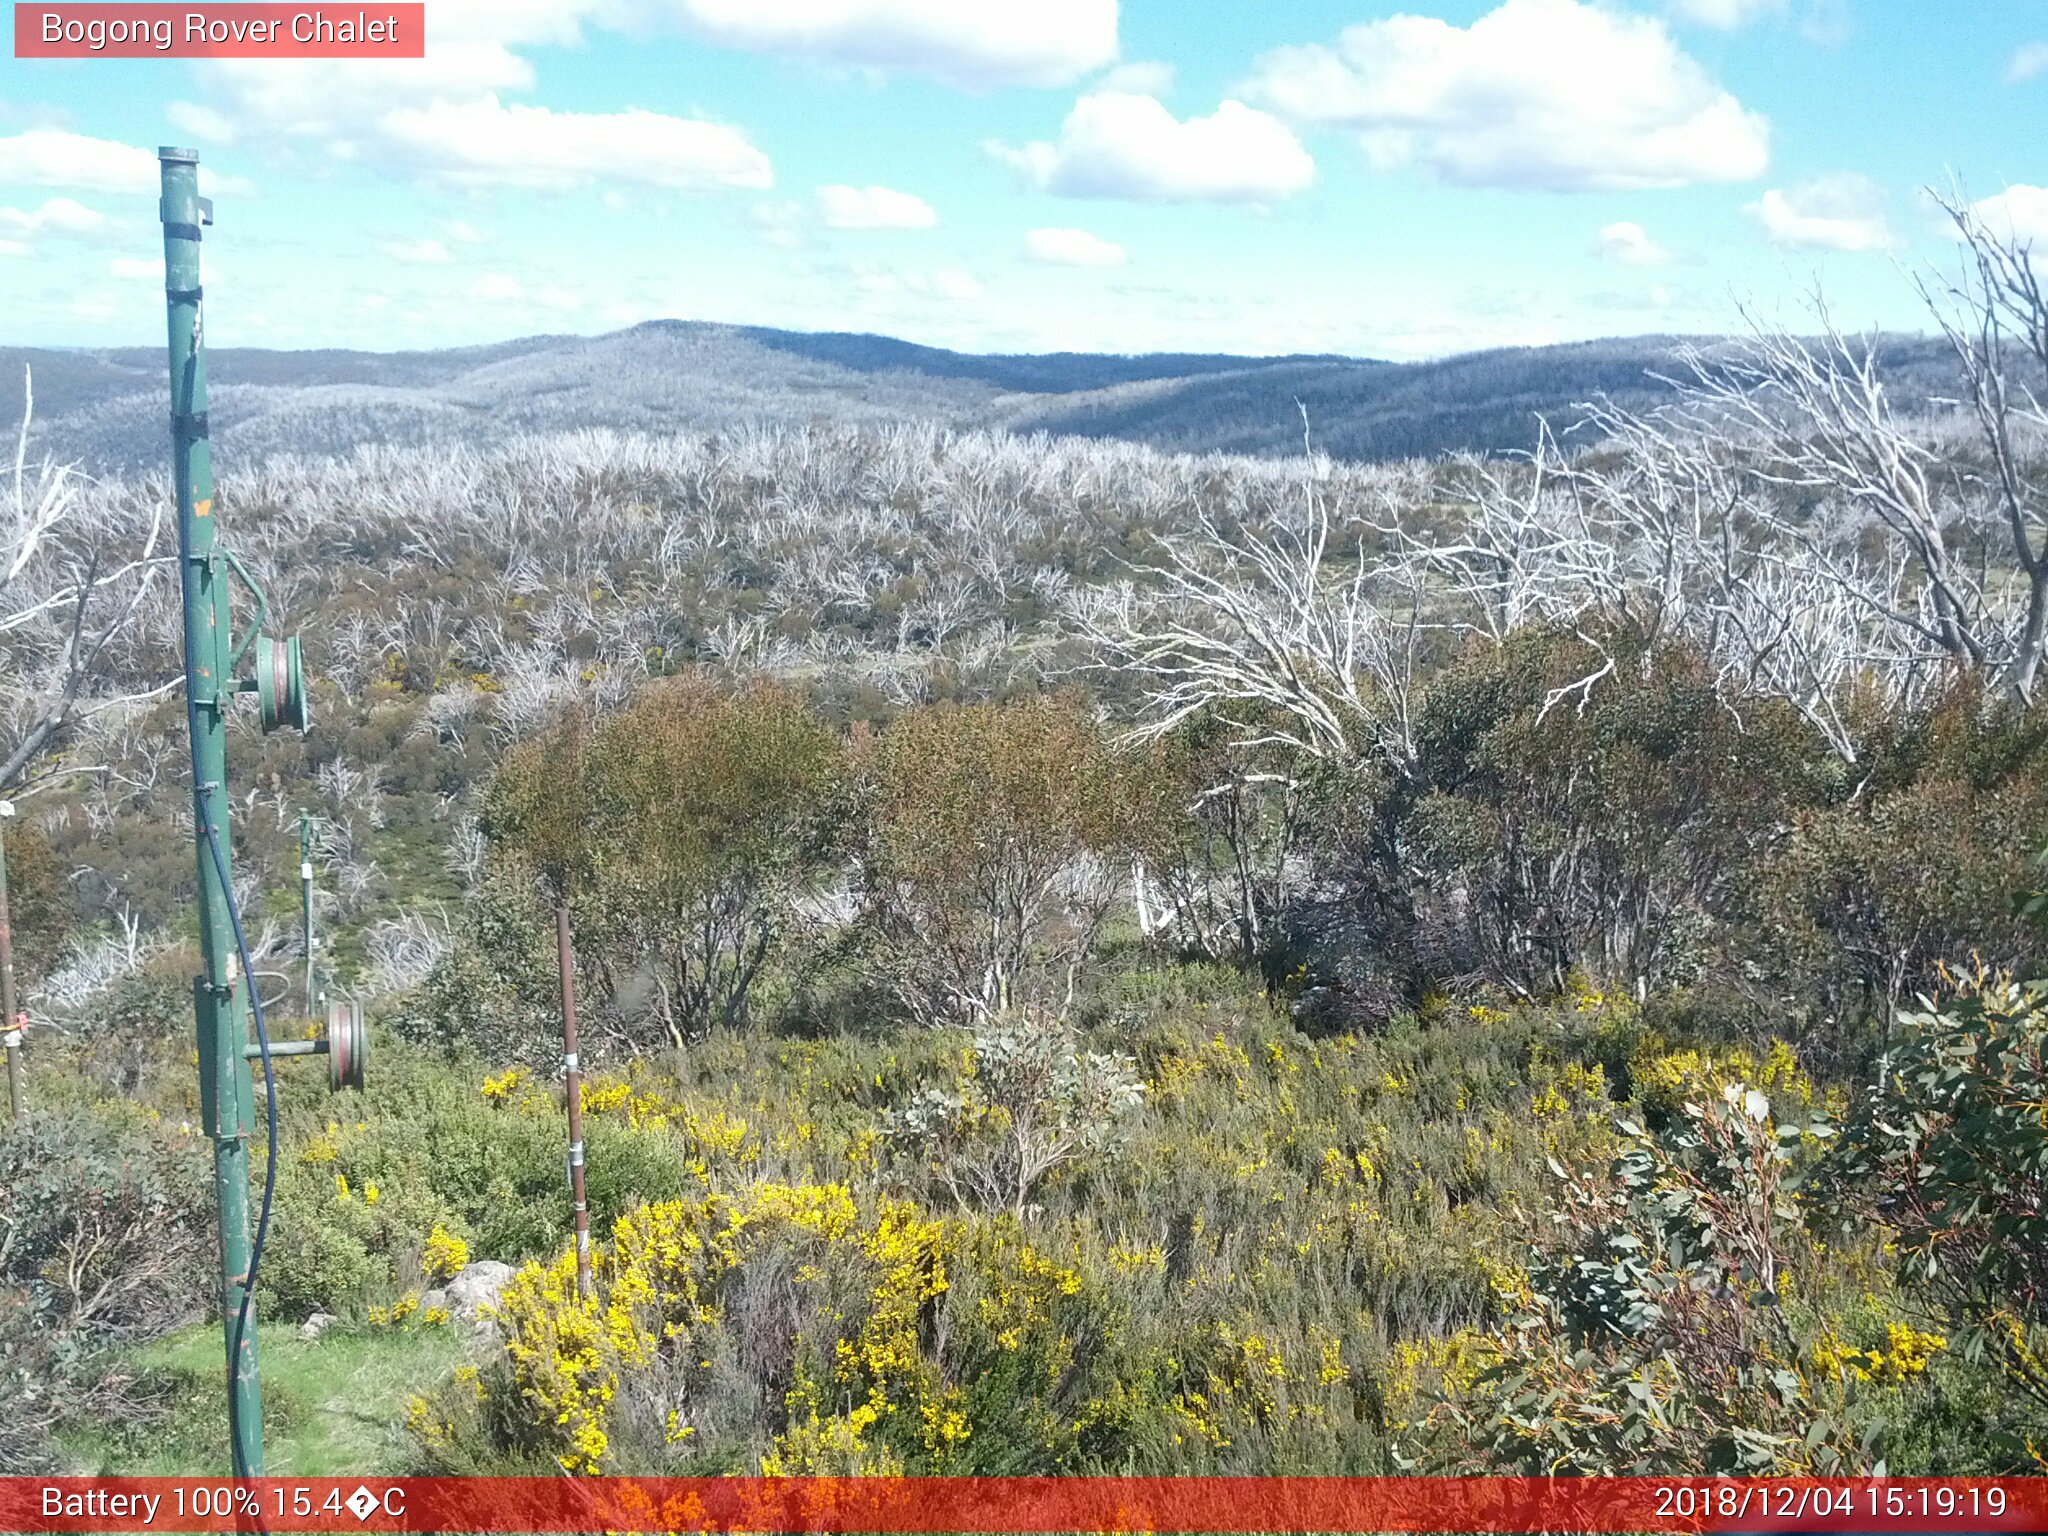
x=103, y=407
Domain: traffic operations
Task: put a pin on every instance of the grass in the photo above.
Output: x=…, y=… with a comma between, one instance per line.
x=332, y=1407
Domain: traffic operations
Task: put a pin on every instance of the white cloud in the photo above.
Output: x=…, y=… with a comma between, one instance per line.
x=499, y=286
x=200, y=122
x=1631, y=245
x=1114, y=144
x=13, y=248
x=419, y=252
x=1843, y=212
x=986, y=43
x=1554, y=94
x=56, y=157
x=58, y=215
x=2019, y=211
x=874, y=208
x=2029, y=61
x=1072, y=248
x=469, y=54
x=956, y=285
x=132, y=268
x=467, y=233
x=480, y=143
x=1146, y=78
x=447, y=116
x=1726, y=14
x=344, y=100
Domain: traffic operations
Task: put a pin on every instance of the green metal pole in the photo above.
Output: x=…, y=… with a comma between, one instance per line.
x=219, y=1002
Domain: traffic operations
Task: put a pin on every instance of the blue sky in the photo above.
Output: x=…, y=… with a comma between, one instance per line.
x=1190, y=175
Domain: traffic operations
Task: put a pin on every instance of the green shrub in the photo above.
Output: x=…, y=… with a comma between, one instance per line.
x=105, y=1219
x=106, y=1238
x=1609, y=830
x=1032, y=1102
x=994, y=840
x=1657, y=1334
x=681, y=830
x=1949, y=1148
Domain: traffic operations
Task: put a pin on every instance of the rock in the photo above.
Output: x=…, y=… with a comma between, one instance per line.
x=477, y=1287
x=435, y=1300
x=316, y=1325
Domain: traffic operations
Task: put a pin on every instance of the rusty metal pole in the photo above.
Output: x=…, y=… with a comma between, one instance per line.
x=572, y=1066
x=10, y=1027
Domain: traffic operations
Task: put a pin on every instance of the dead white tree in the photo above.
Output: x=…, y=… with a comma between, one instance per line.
x=1262, y=633
x=1995, y=316
x=71, y=578
x=1301, y=659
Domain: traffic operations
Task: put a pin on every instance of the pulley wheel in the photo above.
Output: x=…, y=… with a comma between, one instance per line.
x=348, y=1045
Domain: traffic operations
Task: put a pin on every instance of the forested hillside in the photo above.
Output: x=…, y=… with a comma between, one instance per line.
x=104, y=409
x=1092, y=958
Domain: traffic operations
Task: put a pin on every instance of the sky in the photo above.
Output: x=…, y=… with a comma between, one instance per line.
x=1252, y=176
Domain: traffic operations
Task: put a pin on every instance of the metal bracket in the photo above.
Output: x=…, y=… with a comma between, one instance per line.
x=256, y=591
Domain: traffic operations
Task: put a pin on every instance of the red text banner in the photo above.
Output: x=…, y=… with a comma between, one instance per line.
x=108, y=30
x=1023, y=1504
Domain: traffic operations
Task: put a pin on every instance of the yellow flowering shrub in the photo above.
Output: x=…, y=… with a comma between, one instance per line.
x=1905, y=1353
x=504, y=1086
x=445, y=1256
x=1666, y=1079
x=660, y=1298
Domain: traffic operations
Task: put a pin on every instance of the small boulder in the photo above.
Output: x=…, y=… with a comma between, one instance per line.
x=477, y=1287
x=316, y=1325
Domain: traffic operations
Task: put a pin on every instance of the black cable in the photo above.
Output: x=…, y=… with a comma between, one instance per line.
x=220, y=865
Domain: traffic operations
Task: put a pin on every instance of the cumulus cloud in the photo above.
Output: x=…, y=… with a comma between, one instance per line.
x=343, y=101
x=1554, y=94
x=874, y=208
x=57, y=215
x=1726, y=14
x=988, y=43
x=1844, y=212
x=487, y=142
x=501, y=287
x=1631, y=245
x=1143, y=78
x=447, y=117
x=2028, y=62
x=1116, y=144
x=56, y=157
x=1072, y=248
x=2019, y=211
x=469, y=54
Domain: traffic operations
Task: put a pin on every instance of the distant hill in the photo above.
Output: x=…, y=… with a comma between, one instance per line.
x=105, y=408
